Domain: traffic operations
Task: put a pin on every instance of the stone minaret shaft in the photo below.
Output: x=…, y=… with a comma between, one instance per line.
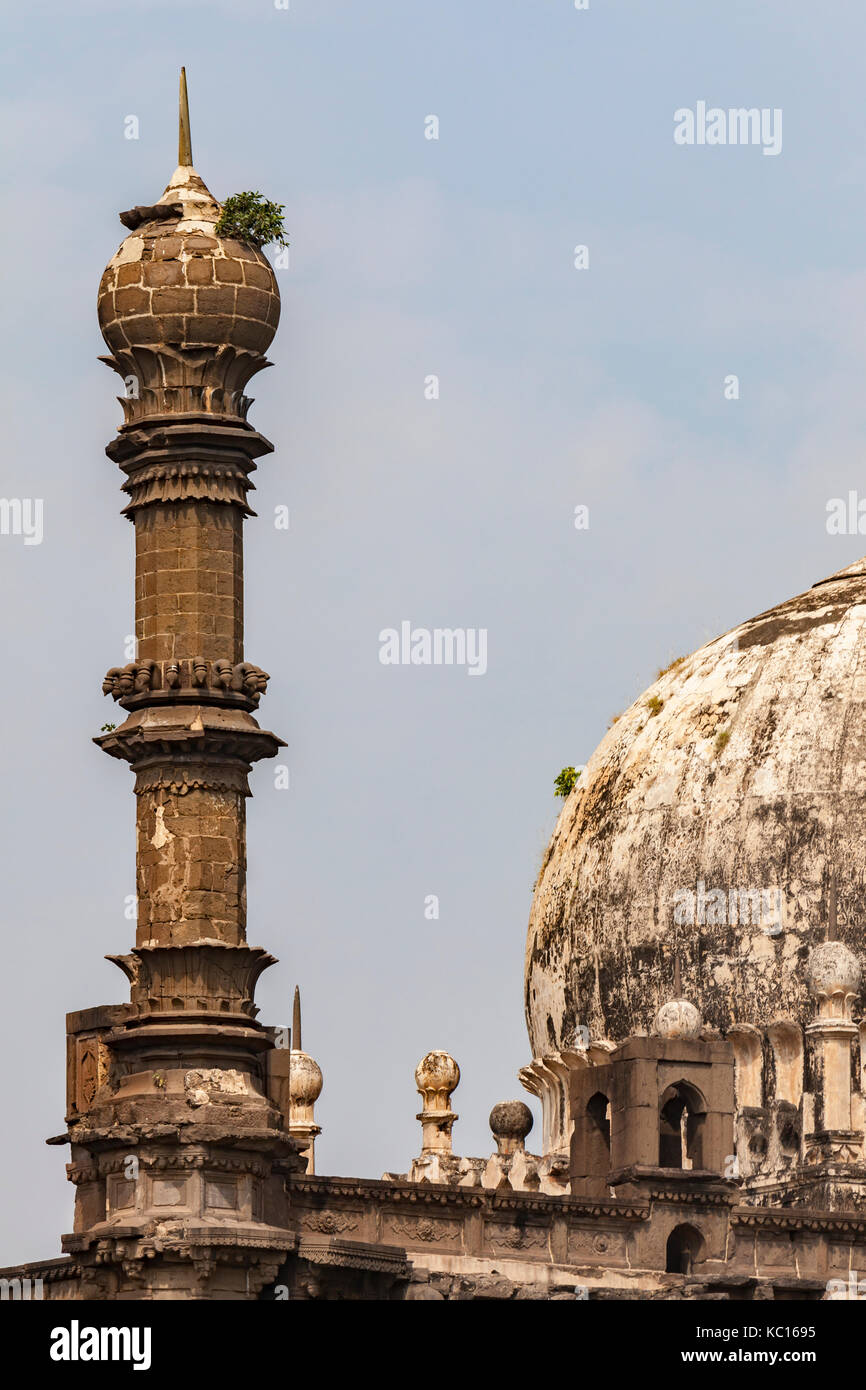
x=181, y=1077
x=189, y=619
x=187, y=451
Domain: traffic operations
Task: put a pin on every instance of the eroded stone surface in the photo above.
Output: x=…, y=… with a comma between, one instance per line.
x=741, y=770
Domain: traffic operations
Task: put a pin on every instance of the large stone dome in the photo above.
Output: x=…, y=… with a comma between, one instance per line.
x=707, y=822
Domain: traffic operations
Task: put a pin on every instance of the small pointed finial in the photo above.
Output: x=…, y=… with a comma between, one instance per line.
x=184, y=139
x=296, y=1021
x=832, y=932
x=678, y=984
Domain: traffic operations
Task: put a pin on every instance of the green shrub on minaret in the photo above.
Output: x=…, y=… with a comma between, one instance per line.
x=253, y=219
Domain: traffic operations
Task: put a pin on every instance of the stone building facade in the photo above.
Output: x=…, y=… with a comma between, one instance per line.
x=697, y=1051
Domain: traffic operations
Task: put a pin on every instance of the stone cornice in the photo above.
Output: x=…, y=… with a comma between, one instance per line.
x=277, y=1146
x=689, y=1187
x=799, y=1219
x=187, y=457
x=168, y=736
x=190, y=1241
x=348, y=1254
x=437, y=1194
x=49, y=1271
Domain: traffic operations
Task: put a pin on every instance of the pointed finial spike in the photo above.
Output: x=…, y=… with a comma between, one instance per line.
x=678, y=986
x=296, y=1021
x=184, y=139
x=832, y=934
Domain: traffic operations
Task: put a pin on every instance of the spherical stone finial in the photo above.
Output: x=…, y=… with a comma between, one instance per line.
x=510, y=1122
x=305, y=1079
x=678, y=1019
x=510, y=1119
x=833, y=969
x=437, y=1074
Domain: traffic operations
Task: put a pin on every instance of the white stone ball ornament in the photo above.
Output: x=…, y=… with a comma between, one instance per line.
x=678, y=1019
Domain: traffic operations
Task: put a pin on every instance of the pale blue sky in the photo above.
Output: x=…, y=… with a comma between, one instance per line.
x=558, y=387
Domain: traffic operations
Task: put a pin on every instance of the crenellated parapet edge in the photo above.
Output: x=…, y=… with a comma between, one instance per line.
x=512, y=1167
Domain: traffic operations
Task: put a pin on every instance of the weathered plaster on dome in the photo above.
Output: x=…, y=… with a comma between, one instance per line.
x=666, y=803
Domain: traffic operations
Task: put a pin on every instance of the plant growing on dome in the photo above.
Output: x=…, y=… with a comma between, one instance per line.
x=654, y=705
x=566, y=782
x=722, y=740
x=671, y=666
x=253, y=219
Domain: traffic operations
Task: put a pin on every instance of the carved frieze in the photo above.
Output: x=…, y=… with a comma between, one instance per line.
x=514, y=1237
x=329, y=1223
x=206, y=976
x=182, y=460
x=196, y=681
x=194, y=775
x=89, y=1058
x=425, y=1230
x=176, y=381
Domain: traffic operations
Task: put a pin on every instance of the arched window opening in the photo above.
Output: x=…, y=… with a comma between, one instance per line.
x=683, y=1250
x=682, y=1112
x=598, y=1110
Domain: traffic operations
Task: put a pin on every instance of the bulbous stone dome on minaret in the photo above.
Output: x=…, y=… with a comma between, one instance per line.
x=188, y=316
x=708, y=822
x=173, y=292
x=174, y=280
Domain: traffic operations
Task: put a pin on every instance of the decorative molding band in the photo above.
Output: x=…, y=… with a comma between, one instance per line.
x=187, y=482
x=431, y=1194
x=194, y=1162
x=78, y=1173
x=49, y=1271
x=117, y=1244
x=694, y=1198
x=798, y=1220
x=173, y=738
x=207, y=975
x=171, y=380
x=194, y=681
x=192, y=777
x=192, y=456
x=345, y=1254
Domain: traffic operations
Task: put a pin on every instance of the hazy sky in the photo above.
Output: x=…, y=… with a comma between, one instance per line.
x=559, y=387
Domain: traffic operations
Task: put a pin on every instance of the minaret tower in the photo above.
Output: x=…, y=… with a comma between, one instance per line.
x=179, y=1151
